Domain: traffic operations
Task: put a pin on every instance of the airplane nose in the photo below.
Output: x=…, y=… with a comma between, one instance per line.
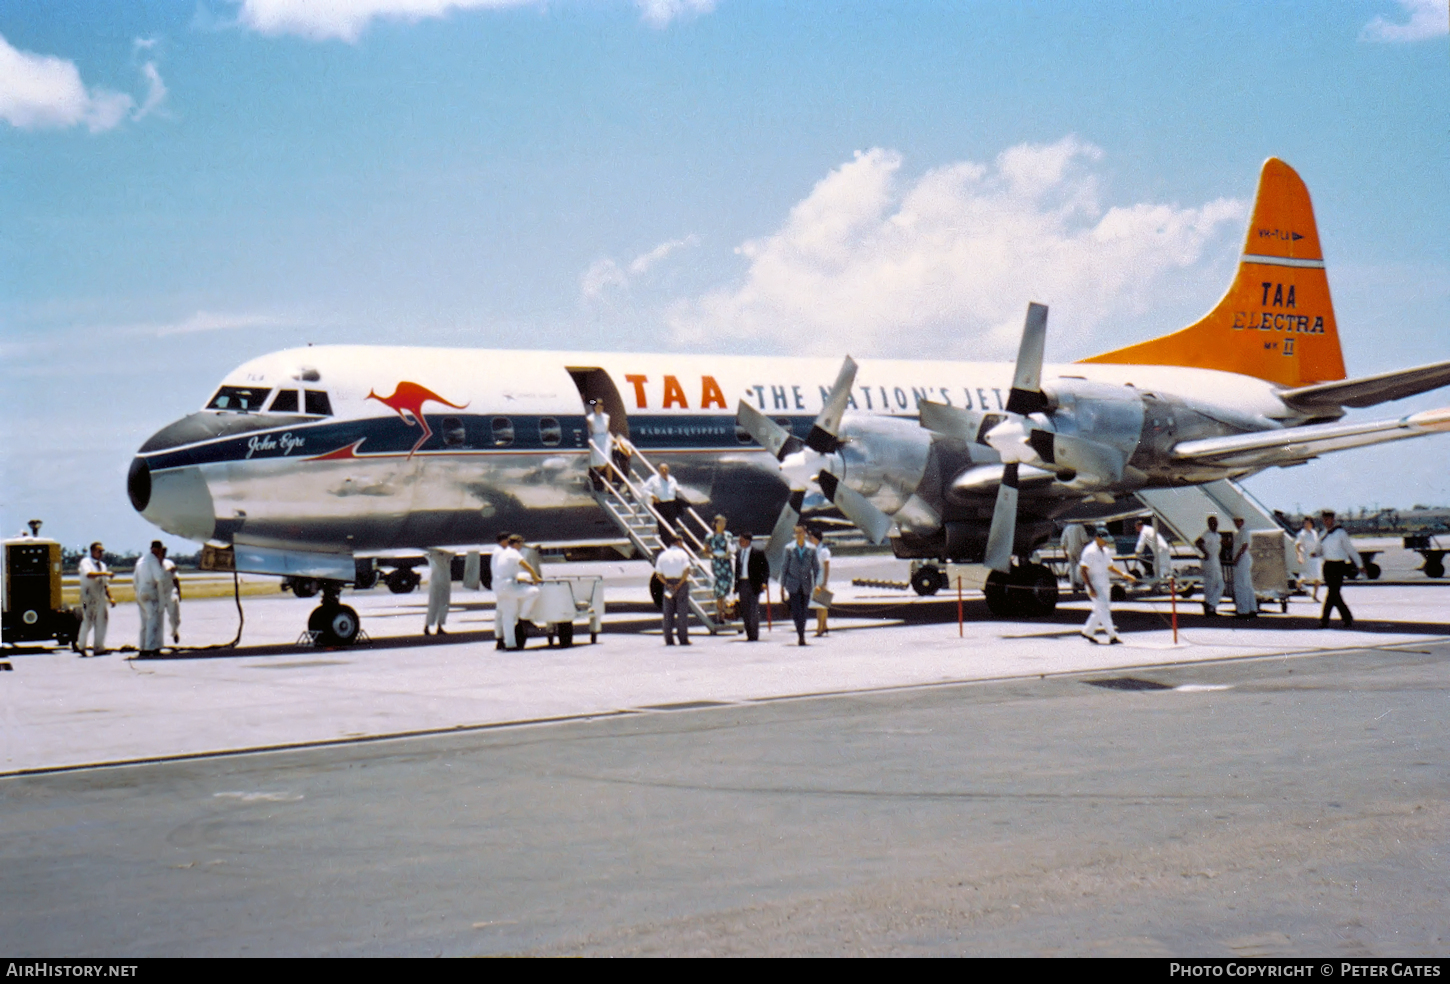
x=138, y=484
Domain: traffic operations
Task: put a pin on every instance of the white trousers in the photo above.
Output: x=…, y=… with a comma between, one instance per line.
x=173, y=615
x=515, y=602
x=152, y=623
x=95, y=615
x=1212, y=583
x=1244, y=601
x=1102, y=614
x=440, y=589
x=1074, y=571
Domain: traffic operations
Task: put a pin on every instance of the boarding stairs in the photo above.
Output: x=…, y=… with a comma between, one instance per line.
x=624, y=500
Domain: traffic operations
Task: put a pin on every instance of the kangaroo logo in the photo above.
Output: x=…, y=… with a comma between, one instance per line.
x=407, y=400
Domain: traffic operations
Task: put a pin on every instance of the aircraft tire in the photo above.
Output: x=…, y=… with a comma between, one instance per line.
x=1435, y=567
x=1372, y=571
x=364, y=581
x=402, y=580
x=995, y=589
x=305, y=587
x=927, y=580
x=1118, y=593
x=335, y=625
x=1032, y=591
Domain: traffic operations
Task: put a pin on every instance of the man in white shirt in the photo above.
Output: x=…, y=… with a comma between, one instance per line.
x=1340, y=558
x=172, y=591
x=1246, y=602
x=495, y=581
x=516, y=595
x=1155, y=550
x=440, y=590
x=148, y=580
x=1097, y=564
x=96, y=600
x=664, y=493
x=1210, y=546
x=1074, y=539
x=672, y=569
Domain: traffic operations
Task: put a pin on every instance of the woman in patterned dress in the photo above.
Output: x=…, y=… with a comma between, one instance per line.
x=718, y=543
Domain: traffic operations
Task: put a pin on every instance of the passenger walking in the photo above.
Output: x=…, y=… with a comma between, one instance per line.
x=1306, y=552
x=752, y=574
x=1340, y=559
x=440, y=590
x=1210, y=546
x=148, y=580
x=718, y=544
x=96, y=600
x=1074, y=539
x=1097, y=566
x=664, y=493
x=172, y=592
x=601, y=444
x=798, y=573
x=672, y=570
x=1246, y=603
x=821, y=594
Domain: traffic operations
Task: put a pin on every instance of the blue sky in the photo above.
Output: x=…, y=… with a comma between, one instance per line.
x=191, y=184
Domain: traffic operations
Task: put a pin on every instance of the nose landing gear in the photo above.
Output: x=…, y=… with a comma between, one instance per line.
x=333, y=623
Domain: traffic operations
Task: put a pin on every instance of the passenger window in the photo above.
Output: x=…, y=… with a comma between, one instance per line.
x=742, y=435
x=550, y=433
x=318, y=403
x=503, y=432
x=285, y=402
x=454, y=436
x=248, y=399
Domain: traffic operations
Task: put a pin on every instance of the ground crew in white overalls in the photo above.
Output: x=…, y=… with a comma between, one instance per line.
x=1210, y=545
x=1246, y=603
x=1155, y=549
x=516, y=596
x=96, y=600
x=1097, y=564
x=149, y=580
x=440, y=589
x=1074, y=538
x=171, y=591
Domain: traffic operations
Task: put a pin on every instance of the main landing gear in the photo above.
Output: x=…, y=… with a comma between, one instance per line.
x=333, y=623
x=1027, y=591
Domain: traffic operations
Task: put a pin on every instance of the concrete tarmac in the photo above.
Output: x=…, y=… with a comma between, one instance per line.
x=1262, y=788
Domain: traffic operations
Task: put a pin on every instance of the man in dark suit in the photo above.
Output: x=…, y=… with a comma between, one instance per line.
x=799, y=572
x=752, y=571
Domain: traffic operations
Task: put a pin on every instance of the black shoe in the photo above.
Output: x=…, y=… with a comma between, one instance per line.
x=425, y=631
x=439, y=631
x=685, y=642
x=668, y=643
x=1349, y=623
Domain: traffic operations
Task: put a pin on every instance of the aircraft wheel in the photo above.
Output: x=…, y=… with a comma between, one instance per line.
x=335, y=625
x=1032, y=589
x=928, y=580
x=1435, y=567
x=363, y=581
x=1118, y=593
x=403, y=580
x=305, y=587
x=996, y=591
x=566, y=635
x=1372, y=571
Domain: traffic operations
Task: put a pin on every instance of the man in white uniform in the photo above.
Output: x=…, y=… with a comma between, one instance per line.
x=149, y=580
x=440, y=589
x=1154, y=548
x=664, y=493
x=171, y=590
x=1306, y=552
x=1340, y=558
x=1246, y=603
x=96, y=601
x=495, y=582
x=601, y=443
x=515, y=595
x=1209, y=546
x=1097, y=564
x=672, y=569
x=1074, y=539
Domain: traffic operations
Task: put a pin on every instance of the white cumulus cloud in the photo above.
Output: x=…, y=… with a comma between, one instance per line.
x=607, y=274
x=43, y=91
x=946, y=263
x=658, y=13
x=1427, y=19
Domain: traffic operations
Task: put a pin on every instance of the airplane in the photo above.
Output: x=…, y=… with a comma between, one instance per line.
x=312, y=461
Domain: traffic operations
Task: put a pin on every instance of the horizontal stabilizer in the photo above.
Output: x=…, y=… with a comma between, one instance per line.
x=1293, y=445
x=1368, y=391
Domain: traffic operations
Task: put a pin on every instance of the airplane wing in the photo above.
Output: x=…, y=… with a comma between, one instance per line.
x=1293, y=445
x=1370, y=390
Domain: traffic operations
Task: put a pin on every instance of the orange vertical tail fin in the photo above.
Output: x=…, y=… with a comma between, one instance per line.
x=1277, y=321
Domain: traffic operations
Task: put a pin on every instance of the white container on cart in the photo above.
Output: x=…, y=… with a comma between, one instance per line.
x=562, y=600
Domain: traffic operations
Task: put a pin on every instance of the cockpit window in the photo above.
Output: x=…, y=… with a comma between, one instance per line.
x=318, y=403
x=285, y=402
x=246, y=399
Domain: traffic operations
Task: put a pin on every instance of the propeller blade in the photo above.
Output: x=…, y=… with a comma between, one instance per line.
x=767, y=433
x=949, y=421
x=1088, y=457
x=827, y=425
x=1027, y=395
x=783, y=531
x=1004, y=522
x=856, y=507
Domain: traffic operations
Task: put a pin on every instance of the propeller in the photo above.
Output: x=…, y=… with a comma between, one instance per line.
x=814, y=460
x=1015, y=439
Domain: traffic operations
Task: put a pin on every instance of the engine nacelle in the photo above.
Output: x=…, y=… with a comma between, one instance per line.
x=883, y=458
